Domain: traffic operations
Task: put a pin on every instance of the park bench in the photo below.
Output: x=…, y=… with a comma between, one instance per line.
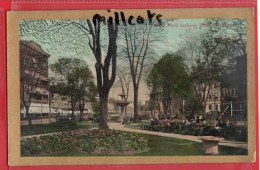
x=146, y=125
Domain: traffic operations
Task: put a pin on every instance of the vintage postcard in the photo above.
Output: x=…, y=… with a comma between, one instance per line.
x=142, y=86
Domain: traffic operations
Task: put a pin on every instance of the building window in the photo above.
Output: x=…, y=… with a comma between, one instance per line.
x=45, y=98
x=230, y=92
x=216, y=107
x=209, y=96
x=216, y=96
x=45, y=114
x=44, y=83
x=210, y=108
x=37, y=96
x=45, y=66
x=233, y=92
x=27, y=62
x=35, y=65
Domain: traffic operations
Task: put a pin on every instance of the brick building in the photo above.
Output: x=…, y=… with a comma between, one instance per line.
x=34, y=79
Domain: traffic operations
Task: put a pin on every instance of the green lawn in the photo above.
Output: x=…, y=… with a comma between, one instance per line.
x=165, y=146
x=177, y=147
x=134, y=125
x=114, y=118
x=55, y=127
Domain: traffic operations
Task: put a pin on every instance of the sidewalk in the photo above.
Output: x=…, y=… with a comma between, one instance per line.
x=38, y=135
x=119, y=126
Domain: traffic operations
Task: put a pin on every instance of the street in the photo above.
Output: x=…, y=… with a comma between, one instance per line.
x=39, y=121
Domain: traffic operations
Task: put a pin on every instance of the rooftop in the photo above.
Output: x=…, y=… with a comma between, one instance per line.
x=35, y=46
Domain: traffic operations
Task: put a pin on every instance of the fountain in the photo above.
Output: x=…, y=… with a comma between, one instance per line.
x=123, y=104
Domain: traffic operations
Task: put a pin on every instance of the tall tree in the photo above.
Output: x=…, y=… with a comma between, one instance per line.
x=169, y=80
x=205, y=64
x=137, y=45
x=215, y=52
x=124, y=81
x=73, y=79
x=231, y=34
x=104, y=80
x=79, y=36
x=85, y=87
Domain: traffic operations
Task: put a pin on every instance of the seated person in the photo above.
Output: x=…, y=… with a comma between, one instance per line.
x=187, y=123
x=183, y=123
x=204, y=123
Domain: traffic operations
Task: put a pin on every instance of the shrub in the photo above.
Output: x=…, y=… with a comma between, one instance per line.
x=63, y=124
x=145, y=116
x=31, y=147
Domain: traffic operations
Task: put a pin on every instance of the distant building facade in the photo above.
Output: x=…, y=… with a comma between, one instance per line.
x=212, y=95
x=62, y=106
x=226, y=99
x=34, y=78
x=234, y=102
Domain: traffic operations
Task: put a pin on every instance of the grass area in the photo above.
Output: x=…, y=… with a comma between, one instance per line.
x=114, y=118
x=179, y=147
x=165, y=146
x=226, y=150
x=55, y=127
x=134, y=125
x=170, y=147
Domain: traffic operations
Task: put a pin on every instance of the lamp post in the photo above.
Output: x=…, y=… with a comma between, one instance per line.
x=49, y=97
x=214, y=104
x=231, y=108
x=69, y=107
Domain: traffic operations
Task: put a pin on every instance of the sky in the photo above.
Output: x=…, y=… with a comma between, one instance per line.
x=171, y=43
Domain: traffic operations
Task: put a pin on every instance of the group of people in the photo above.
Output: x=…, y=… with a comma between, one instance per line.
x=167, y=125
x=192, y=124
x=223, y=124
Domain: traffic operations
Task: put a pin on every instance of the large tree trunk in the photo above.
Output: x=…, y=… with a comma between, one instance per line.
x=136, y=102
x=28, y=116
x=103, y=112
x=164, y=101
x=72, y=110
x=81, y=114
x=81, y=109
x=105, y=76
x=170, y=106
x=125, y=111
x=159, y=105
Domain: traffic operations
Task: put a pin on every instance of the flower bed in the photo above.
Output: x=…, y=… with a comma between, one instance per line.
x=92, y=141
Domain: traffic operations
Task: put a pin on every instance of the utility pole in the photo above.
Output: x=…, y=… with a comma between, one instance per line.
x=41, y=112
x=183, y=103
x=49, y=100
x=231, y=107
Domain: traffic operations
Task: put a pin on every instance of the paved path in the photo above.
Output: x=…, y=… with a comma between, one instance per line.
x=39, y=121
x=119, y=126
x=38, y=135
